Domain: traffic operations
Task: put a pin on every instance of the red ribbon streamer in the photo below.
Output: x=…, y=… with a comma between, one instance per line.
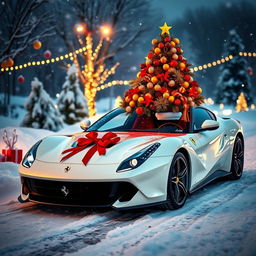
x=98, y=144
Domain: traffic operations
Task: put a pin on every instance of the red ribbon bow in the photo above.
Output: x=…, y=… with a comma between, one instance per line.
x=147, y=100
x=99, y=144
x=164, y=76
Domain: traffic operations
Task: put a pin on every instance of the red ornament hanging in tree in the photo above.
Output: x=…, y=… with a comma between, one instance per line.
x=47, y=54
x=21, y=79
x=250, y=71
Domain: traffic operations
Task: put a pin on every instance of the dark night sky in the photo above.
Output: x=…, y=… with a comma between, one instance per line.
x=175, y=8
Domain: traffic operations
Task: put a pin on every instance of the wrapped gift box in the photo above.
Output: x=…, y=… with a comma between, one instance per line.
x=12, y=155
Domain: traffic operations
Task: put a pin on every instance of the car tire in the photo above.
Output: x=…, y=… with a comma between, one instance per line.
x=178, y=183
x=237, y=163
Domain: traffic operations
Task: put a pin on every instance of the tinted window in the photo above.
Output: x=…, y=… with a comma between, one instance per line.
x=118, y=120
x=200, y=115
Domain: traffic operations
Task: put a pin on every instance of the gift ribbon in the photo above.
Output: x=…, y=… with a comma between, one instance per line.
x=98, y=144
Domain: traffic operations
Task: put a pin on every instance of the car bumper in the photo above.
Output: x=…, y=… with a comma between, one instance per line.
x=98, y=185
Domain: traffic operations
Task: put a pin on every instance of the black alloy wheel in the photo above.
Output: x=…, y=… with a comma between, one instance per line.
x=237, y=164
x=178, y=182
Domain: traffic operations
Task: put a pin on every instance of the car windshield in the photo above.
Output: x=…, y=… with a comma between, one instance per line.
x=119, y=120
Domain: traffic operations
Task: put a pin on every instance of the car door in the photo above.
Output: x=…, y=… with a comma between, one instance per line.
x=209, y=143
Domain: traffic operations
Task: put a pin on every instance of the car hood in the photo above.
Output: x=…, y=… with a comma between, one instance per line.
x=51, y=148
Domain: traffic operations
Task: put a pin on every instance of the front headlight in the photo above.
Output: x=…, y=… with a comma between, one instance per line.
x=137, y=159
x=30, y=157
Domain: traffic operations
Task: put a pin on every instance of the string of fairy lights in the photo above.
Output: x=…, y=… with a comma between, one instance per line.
x=71, y=55
x=44, y=62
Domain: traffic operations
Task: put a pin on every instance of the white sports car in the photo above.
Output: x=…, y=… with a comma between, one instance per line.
x=113, y=163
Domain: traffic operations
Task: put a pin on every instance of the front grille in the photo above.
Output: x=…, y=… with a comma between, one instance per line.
x=78, y=193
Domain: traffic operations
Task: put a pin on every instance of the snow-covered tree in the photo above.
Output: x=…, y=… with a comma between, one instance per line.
x=71, y=102
x=234, y=78
x=41, y=111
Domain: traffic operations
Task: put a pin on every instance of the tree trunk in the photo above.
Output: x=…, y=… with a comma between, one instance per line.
x=91, y=104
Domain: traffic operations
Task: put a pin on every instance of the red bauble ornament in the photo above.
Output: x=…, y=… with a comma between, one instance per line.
x=142, y=65
x=151, y=55
x=161, y=45
x=250, y=71
x=139, y=110
x=156, y=62
x=21, y=79
x=152, y=107
x=187, y=78
x=195, y=83
x=178, y=49
x=180, y=57
x=167, y=39
x=47, y=54
x=177, y=102
x=174, y=63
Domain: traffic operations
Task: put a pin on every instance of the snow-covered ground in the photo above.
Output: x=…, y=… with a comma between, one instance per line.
x=217, y=220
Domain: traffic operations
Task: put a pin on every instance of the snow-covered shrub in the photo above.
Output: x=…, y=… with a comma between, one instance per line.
x=234, y=78
x=71, y=102
x=41, y=111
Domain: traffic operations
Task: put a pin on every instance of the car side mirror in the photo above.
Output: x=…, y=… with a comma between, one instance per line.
x=85, y=124
x=209, y=125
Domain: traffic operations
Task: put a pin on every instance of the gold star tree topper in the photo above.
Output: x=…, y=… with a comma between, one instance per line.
x=165, y=29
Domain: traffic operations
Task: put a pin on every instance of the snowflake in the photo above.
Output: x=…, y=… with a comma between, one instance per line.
x=228, y=4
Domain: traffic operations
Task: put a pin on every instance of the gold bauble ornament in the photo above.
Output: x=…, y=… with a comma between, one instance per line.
x=182, y=66
x=157, y=87
x=127, y=99
x=171, y=98
x=175, y=56
x=140, y=99
x=172, y=44
x=186, y=84
x=157, y=50
x=132, y=104
x=173, y=50
x=199, y=90
x=154, y=79
x=151, y=70
x=135, y=97
x=150, y=85
x=154, y=41
x=166, y=95
x=141, y=87
x=128, y=109
x=176, y=40
x=166, y=67
x=171, y=83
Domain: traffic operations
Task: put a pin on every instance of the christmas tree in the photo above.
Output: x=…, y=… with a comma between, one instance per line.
x=165, y=82
x=241, y=103
x=41, y=111
x=234, y=77
x=71, y=102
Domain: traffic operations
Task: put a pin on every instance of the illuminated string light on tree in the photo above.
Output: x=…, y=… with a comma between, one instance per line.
x=91, y=66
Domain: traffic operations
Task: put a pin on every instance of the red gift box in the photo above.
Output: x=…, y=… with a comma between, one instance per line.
x=12, y=155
